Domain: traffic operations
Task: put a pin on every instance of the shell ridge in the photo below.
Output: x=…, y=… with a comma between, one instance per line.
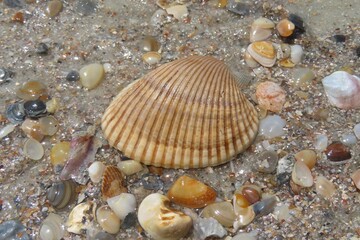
x=233, y=115
x=227, y=105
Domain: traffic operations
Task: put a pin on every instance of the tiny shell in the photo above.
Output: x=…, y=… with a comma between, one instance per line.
x=261, y=29
x=92, y=75
x=306, y=156
x=324, y=187
x=272, y=126
x=161, y=221
x=80, y=218
x=178, y=11
x=108, y=220
x=355, y=176
x=342, y=90
x=301, y=175
x=52, y=228
x=96, y=171
x=244, y=217
x=129, y=167
x=151, y=58
x=61, y=194
x=285, y=27
x=113, y=182
x=33, y=149
x=191, y=193
x=270, y=96
x=122, y=204
x=263, y=52
x=223, y=212
x=239, y=202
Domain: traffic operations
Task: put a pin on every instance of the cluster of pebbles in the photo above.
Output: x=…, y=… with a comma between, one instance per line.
x=88, y=190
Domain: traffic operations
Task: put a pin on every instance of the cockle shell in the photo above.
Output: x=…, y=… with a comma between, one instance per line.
x=343, y=90
x=188, y=113
x=263, y=52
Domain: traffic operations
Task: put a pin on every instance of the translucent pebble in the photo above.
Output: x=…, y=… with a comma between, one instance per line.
x=7, y=130
x=324, y=187
x=49, y=125
x=302, y=77
x=32, y=129
x=282, y=212
x=306, y=156
x=96, y=171
x=265, y=206
x=31, y=90
x=246, y=236
x=59, y=153
x=223, y=212
x=348, y=139
x=92, y=75
x=296, y=53
x=149, y=44
x=52, y=228
x=205, y=227
x=13, y=230
x=357, y=130
x=321, y=142
x=272, y=126
x=268, y=161
x=355, y=176
x=33, y=149
x=53, y=8
x=108, y=220
x=301, y=175
x=122, y=204
x=129, y=167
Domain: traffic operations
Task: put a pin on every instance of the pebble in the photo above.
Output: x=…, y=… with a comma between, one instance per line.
x=104, y=236
x=61, y=194
x=129, y=221
x=32, y=129
x=15, y=113
x=49, y=125
x=122, y=204
x=13, y=230
x=92, y=75
x=348, y=139
x=206, y=227
x=52, y=105
x=246, y=236
x=42, y=49
x=306, y=156
x=52, y=228
x=59, y=154
x=31, y=90
x=96, y=171
x=265, y=206
x=285, y=27
x=149, y=44
x=33, y=149
x=223, y=212
x=272, y=126
x=302, y=77
x=73, y=76
x=337, y=152
x=35, y=108
x=270, y=96
x=151, y=58
x=108, y=220
x=321, y=114
x=268, y=161
x=251, y=194
x=178, y=11
x=339, y=38
x=151, y=182
x=321, y=142
x=53, y=8
x=301, y=175
x=282, y=212
x=357, y=130
x=324, y=187
x=239, y=7
x=129, y=167
x=7, y=130
x=355, y=176
x=18, y=17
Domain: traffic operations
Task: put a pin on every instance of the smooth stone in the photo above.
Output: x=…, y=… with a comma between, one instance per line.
x=108, y=220
x=35, y=108
x=357, y=130
x=73, y=76
x=324, y=187
x=32, y=129
x=31, y=90
x=149, y=44
x=59, y=153
x=33, y=149
x=348, y=139
x=13, y=230
x=321, y=142
x=49, y=125
x=53, y=8
x=301, y=175
x=14, y=3
x=306, y=156
x=265, y=206
x=92, y=75
x=52, y=228
x=337, y=152
x=246, y=236
x=282, y=212
x=296, y=53
x=272, y=126
x=129, y=167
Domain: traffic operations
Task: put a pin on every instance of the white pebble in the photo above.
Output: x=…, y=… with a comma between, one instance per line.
x=348, y=139
x=246, y=236
x=321, y=142
x=7, y=130
x=272, y=126
x=33, y=149
x=96, y=171
x=301, y=175
x=92, y=75
x=129, y=167
x=122, y=204
x=357, y=130
x=107, y=67
x=296, y=53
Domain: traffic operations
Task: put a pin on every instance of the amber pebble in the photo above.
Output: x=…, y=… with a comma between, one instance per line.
x=241, y=201
x=337, y=152
x=53, y=8
x=18, y=17
x=191, y=193
x=156, y=170
x=251, y=194
x=59, y=153
x=112, y=183
x=222, y=3
x=285, y=28
x=49, y=125
x=306, y=156
x=31, y=90
x=32, y=129
x=149, y=44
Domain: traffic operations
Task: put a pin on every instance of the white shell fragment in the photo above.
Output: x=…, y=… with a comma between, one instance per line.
x=261, y=29
x=33, y=149
x=122, y=204
x=80, y=218
x=342, y=90
x=7, y=130
x=92, y=75
x=160, y=221
x=52, y=228
x=96, y=171
x=301, y=175
x=129, y=167
x=178, y=11
x=272, y=126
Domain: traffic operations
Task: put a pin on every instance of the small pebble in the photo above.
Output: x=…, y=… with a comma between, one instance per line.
x=31, y=90
x=49, y=125
x=355, y=176
x=15, y=113
x=107, y=219
x=357, y=130
x=104, y=236
x=348, y=139
x=301, y=175
x=151, y=58
x=324, y=187
x=270, y=96
x=33, y=149
x=92, y=75
x=321, y=142
x=5, y=75
x=35, y=108
x=73, y=76
x=149, y=44
x=59, y=154
x=129, y=167
x=297, y=53
x=306, y=156
x=272, y=126
x=339, y=38
x=52, y=105
x=251, y=194
x=151, y=182
x=282, y=213
x=122, y=204
x=53, y=8
x=13, y=230
x=285, y=27
x=246, y=236
x=265, y=206
x=7, y=130
x=268, y=161
x=32, y=129
x=357, y=51
x=42, y=49
x=321, y=114
x=96, y=171
x=337, y=152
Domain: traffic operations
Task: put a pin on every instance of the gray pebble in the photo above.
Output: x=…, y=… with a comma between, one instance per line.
x=13, y=230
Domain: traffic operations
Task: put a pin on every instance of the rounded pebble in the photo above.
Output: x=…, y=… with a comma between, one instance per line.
x=337, y=152
x=268, y=161
x=59, y=154
x=96, y=171
x=108, y=220
x=151, y=182
x=15, y=113
x=149, y=44
x=52, y=228
x=35, y=108
x=348, y=139
x=49, y=125
x=32, y=129
x=92, y=75
x=129, y=167
x=301, y=175
x=306, y=156
x=357, y=130
x=151, y=58
x=33, y=149
x=339, y=38
x=324, y=187
x=104, y=236
x=265, y=206
x=296, y=53
x=223, y=212
x=285, y=27
x=53, y=8
x=270, y=96
x=251, y=194
x=73, y=76
x=272, y=126
x=42, y=49
x=321, y=142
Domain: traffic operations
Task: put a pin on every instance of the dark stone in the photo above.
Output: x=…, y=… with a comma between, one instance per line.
x=357, y=51
x=73, y=76
x=14, y=3
x=339, y=38
x=15, y=113
x=297, y=21
x=35, y=108
x=129, y=221
x=42, y=49
x=151, y=182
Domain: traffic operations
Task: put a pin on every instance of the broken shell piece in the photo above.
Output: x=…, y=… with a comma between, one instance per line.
x=96, y=171
x=301, y=175
x=223, y=212
x=178, y=11
x=80, y=218
x=205, y=228
x=263, y=52
x=342, y=90
x=285, y=27
x=122, y=204
x=283, y=50
x=112, y=183
x=270, y=96
x=324, y=187
x=108, y=220
x=261, y=29
x=356, y=178
x=160, y=221
x=129, y=167
x=191, y=193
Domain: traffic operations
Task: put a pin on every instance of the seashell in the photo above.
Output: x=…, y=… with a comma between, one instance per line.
x=296, y=54
x=285, y=27
x=178, y=11
x=161, y=221
x=33, y=149
x=151, y=120
x=306, y=156
x=92, y=75
x=342, y=90
x=263, y=52
x=122, y=204
x=283, y=50
x=301, y=175
x=80, y=218
x=59, y=154
x=223, y=212
x=270, y=96
x=286, y=63
x=244, y=217
x=108, y=220
x=35, y=108
x=31, y=90
x=355, y=176
x=149, y=44
x=272, y=126
x=49, y=125
x=61, y=194
x=96, y=171
x=261, y=29
x=52, y=228
x=32, y=129
x=112, y=183
x=337, y=152
x=250, y=61
x=15, y=113
x=191, y=193
x=151, y=58
x=324, y=187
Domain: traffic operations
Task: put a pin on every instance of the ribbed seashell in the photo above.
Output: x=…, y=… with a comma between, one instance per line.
x=343, y=90
x=112, y=183
x=61, y=194
x=223, y=212
x=263, y=52
x=161, y=221
x=189, y=113
x=108, y=220
x=261, y=29
x=52, y=228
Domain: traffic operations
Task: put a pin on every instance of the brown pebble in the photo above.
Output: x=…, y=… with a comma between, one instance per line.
x=337, y=152
x=251, y=194
x=53, y=8
x=18, y=17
